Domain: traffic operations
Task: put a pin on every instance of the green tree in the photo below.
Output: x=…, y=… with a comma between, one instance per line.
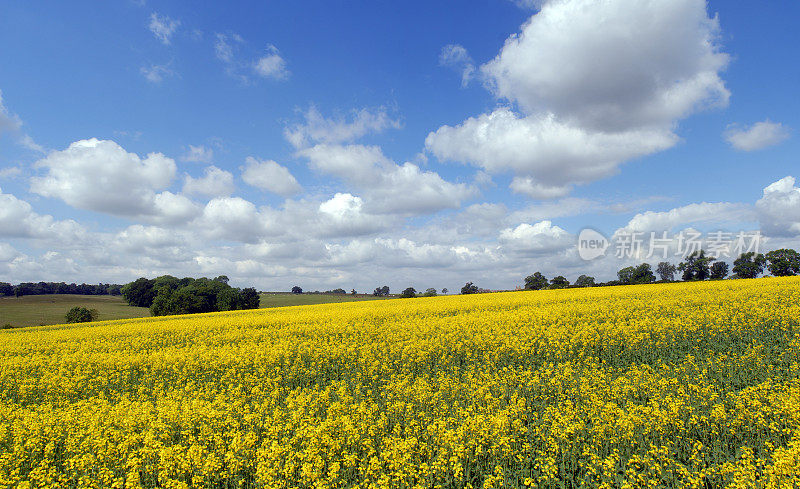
x=381, y=291
x=749, y=265
x=469, y=288
x=783, y=262
x=81, y=315
x=444, y=290
x=537, y=281
x=139, y=293
x=409, y=293
x=719, y=270
x=585, y=281
x=666, y=271
x=697, y=266
x=297, y=290
x=559, y=282
x=430, y=292
x=249, y=298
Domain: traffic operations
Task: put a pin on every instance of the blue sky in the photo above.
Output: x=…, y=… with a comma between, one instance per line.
x=415, y=143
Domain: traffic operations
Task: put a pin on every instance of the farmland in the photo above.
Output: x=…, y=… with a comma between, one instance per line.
x=668, y=385
x=35, y=310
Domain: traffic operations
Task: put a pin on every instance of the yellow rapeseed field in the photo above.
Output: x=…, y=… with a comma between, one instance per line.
x=673, y=385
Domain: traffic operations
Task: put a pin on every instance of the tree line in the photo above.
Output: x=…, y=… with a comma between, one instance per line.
x=44, y=288
x=696, y=266
x=168, y=295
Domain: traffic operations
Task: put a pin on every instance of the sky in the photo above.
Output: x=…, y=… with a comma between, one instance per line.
x=422, y=144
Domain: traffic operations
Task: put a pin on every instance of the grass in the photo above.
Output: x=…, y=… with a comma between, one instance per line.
x=35, y=310
x=281, y=299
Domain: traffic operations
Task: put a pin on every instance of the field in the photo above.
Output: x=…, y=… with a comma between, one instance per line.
x=282, y=299
x=35, y=310
x=668, y=385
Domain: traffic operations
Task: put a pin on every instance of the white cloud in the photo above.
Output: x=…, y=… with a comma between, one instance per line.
x=758, y=136
x=634, y=71
x=318, y=129
x=547, y=154
x=99, y=175
x=271, y=65
x=18, y=220
x=269, y=175
x=198, y=154
x=156, y=73
x=7, y=252
x=163, y=27
x=704, y=212
x=456, y=56
x=225, y=45
x=537, y=239
x=387, y=188
x=10, y=172
x=213, y=183
x=235, y=219
x=12, y=123
x=779, y=208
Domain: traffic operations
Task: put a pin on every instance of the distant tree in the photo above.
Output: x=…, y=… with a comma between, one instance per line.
x=18, y=291
x=297, y=290
x=625, y=275
x=697, y=266
x=338, y=291
x=719, y=270
x=113, y=289
x=140, y=292
x=353, y=292
x=223, y=279
x=249, y=298
x=783, y=262
x=228, y=299
x=431, y=292
x=666, y=271
x=6, y=289
x=444, y=290
x=559, y=282
x=537, y=281
x=381, y=291
x=7, y=326
x=585, y=281
x=408, y=293
x=749, y=265
x=469, y=288
x=641, y=274
x=81, y=315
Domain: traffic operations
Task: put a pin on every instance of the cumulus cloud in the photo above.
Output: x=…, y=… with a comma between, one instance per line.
x=779, y=208
x=318, y=129
x=271, y=65
x=198, y=154
x=758, y=136
x=634, y=71
x=547, y=154
x=535, y=239
x=704, y=212
x=10, y=172
x=99, y=175
x=456, y=56
x=235, y=219
x=270, y=176
x=213, y=183
x=163, y=27
x=18, y=220
x=387, y=188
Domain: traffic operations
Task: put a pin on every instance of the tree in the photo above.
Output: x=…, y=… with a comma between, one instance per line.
x=139, y=293
x=585, y=281
x=666, y=271
x=223, y=279
x=353, y=292
x=81, y=315
x=6, y=289
x=249, y=298
x=559, y=282
x=431, y=292
x=749, y=265
x=719, y=270
x=444, y=290
x=642, y=274
x=783, y=262
x=697, y=266
x=228, y=300
x=469, y=288
x=18, y=291
x=409, y=293
x=381, y=291
x=297, y=290
x=537, y=281
x=625, y=275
